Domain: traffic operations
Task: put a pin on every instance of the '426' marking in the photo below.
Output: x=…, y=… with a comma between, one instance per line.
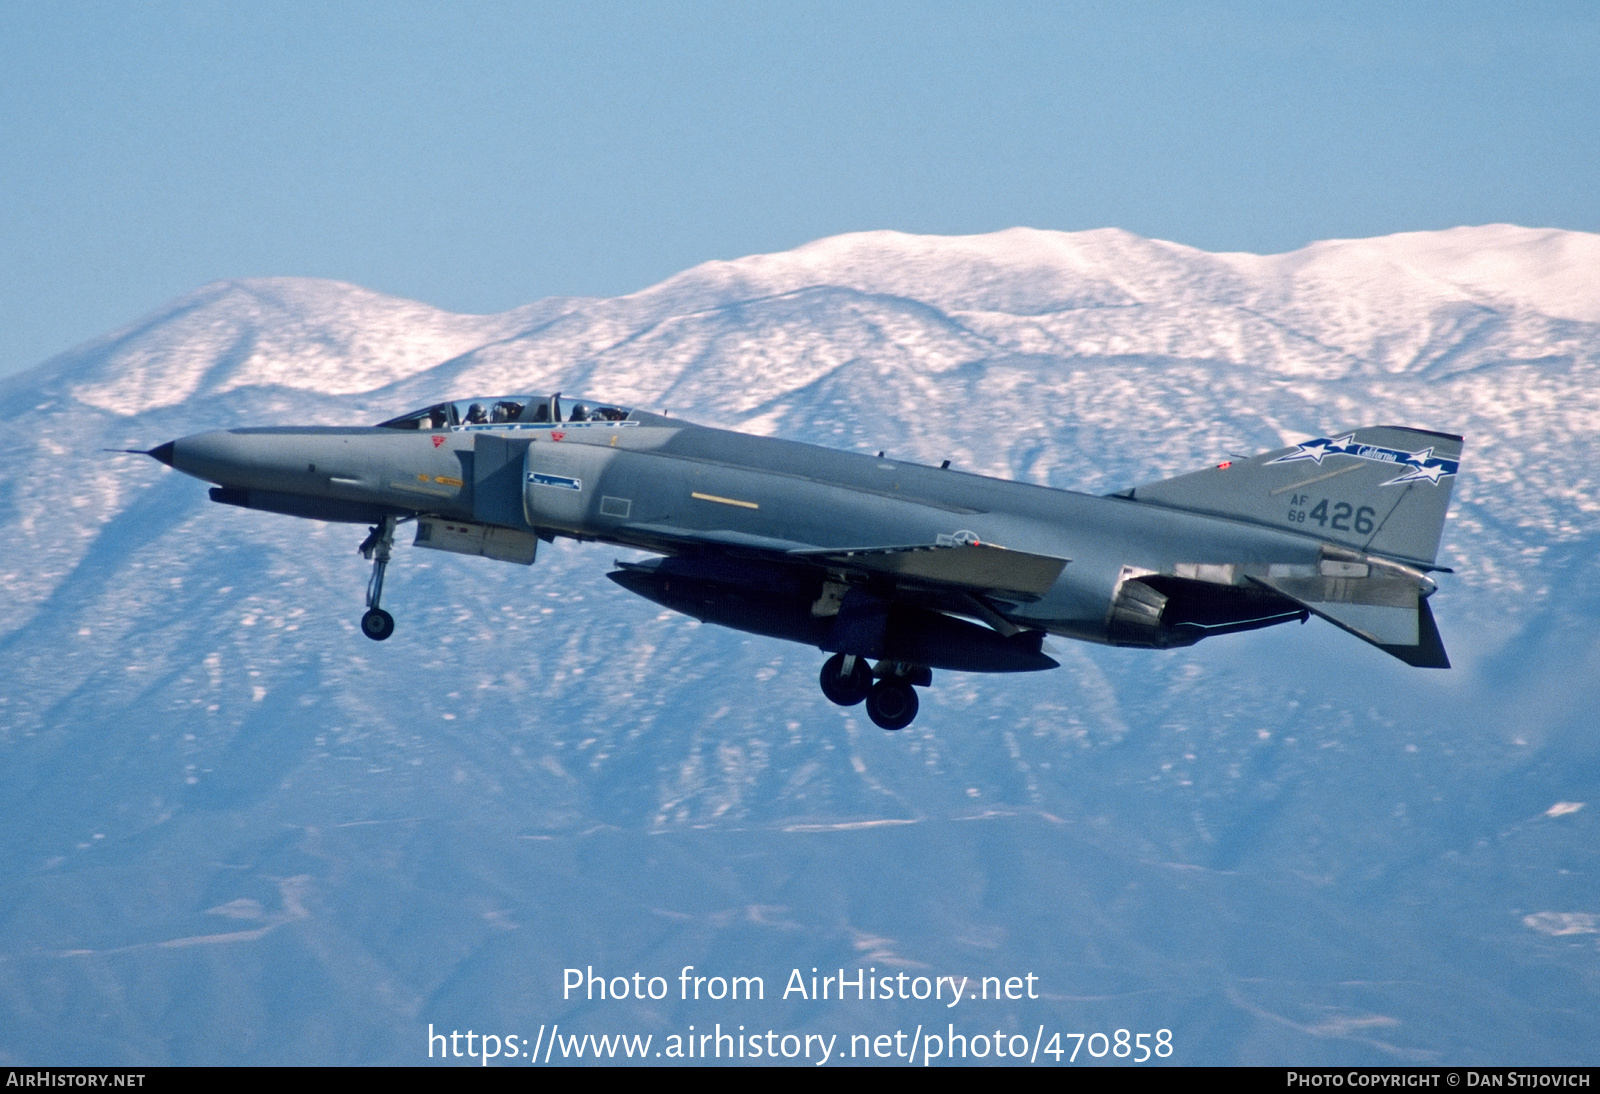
x=1341, y=517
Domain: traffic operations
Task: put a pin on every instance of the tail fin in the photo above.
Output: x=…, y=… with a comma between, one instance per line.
x=1383, y=490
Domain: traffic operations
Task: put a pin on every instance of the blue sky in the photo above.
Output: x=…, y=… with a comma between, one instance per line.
x=479, y=156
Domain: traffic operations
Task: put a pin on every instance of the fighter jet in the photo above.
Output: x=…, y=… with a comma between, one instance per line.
x=893, y=568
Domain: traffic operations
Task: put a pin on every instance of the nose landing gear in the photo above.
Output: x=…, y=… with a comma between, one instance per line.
x=378, y=624
x=891, y=700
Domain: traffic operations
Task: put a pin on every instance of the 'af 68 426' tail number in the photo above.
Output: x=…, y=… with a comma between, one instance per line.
x=1340, y=516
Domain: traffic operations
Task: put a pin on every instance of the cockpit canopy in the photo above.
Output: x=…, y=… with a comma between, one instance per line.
x=510, y=411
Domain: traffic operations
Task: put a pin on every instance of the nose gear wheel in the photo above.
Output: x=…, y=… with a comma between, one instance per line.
x=377, y=624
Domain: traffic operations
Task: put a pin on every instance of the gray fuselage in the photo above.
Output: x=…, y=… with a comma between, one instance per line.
x=662, y=485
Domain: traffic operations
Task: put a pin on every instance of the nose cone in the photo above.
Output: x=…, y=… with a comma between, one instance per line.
x=276, y=459
x=223, y=456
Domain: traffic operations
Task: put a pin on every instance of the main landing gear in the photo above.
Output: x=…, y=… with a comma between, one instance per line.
x=378, y=624
x=891, y=699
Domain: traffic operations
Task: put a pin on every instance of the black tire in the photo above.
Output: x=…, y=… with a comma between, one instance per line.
x=844, y=690
x=892, y=704
x=377, y=624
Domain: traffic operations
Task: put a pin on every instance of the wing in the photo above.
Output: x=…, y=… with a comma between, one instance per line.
x=979, y=569
x=891, y=603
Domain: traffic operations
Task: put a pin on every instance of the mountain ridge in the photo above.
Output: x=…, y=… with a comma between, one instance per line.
x=1520, y=258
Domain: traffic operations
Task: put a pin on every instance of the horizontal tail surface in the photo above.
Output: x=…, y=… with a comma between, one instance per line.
x=1388, y=610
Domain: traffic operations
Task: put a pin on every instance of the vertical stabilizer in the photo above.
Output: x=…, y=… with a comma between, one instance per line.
x=1383, y=490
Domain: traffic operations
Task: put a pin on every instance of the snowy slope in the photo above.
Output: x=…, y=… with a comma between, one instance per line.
x=212, y=778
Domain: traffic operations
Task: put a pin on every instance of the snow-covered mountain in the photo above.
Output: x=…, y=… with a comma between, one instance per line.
x=238, y=831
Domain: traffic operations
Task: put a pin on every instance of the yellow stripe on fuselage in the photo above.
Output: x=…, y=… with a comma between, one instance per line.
x=724, y=501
